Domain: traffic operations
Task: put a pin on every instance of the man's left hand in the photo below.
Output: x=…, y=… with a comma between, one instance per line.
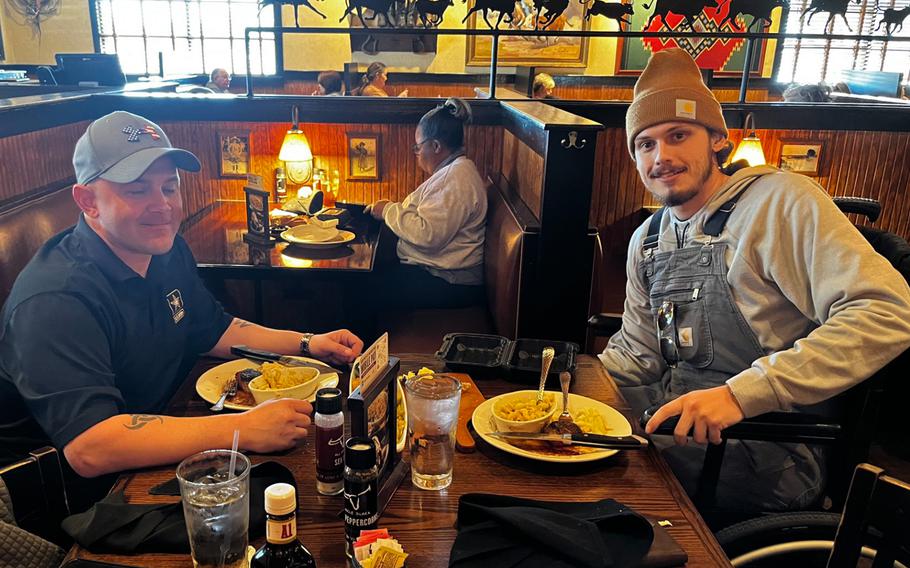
x=339, y=347
x=705, y=413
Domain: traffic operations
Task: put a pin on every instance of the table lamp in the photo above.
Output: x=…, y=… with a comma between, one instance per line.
x=296, y=154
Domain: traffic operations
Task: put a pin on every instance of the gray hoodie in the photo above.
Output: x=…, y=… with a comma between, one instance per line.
x=827, y=310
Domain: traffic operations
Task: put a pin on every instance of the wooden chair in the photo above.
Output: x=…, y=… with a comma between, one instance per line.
x=38, y=494
x=875, y=501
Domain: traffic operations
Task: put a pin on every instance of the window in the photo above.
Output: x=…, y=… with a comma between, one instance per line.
x=194, y=36
x=813, y=61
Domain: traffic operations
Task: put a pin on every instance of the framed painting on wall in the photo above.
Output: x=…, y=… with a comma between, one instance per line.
x=801, y=156
x=724, y=56
x=363, y=156
x=233, y=154
x=540, y=51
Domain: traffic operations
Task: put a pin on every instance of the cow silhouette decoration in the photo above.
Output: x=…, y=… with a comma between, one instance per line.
x=430, y=12
x=293, y=3
x=833, y=7
x=760, y=10
x=893, y=19
x=551, y=9
x=612, y=10
x=685, y=8
x=504, y=7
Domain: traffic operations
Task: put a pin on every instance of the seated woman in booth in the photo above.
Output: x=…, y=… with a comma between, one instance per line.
x=372, y=84
x=440, y=225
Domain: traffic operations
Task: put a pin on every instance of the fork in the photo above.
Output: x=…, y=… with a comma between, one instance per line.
x=230, y=389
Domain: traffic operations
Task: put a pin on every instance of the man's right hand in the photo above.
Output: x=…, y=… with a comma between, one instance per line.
x=274, y=425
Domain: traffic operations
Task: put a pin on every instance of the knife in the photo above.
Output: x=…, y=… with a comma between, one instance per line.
x=260, y=355
x=632, y=442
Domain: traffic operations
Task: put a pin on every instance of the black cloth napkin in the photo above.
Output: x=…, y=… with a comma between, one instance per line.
x=113, y=525
x=510, y=532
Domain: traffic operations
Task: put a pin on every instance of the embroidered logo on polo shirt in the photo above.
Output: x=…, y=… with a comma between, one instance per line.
x=133, y=133
x=175, y=302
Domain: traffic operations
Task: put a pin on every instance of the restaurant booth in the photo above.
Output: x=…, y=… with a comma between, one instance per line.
x=564, y=198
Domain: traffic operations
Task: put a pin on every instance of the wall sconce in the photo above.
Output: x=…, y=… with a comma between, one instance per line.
x=296, y=154
x=749, y=148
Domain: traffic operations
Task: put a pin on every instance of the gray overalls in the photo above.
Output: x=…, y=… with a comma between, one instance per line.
x=713, y=343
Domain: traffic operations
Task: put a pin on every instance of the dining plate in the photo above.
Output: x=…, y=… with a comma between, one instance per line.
x=340, y=238
x=210, y=384
x=616, y=423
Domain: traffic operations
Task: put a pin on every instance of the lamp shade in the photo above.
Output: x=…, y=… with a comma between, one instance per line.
x=750, y=150
x=295, y=148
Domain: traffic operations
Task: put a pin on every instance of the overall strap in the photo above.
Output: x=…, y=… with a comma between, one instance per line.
x=653, y=236
x=715, y=224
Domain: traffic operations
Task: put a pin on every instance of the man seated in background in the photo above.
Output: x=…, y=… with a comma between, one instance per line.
x=102, y=326
x=329, y=84
x=747, y=293
x=219, y=81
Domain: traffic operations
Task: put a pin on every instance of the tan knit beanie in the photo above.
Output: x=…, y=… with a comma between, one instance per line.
x=671, y=89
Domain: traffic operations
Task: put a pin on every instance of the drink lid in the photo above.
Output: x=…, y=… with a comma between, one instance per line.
x=280, y=499
x=328, y=401
x=359, y=453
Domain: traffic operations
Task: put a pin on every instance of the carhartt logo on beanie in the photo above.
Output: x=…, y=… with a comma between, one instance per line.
x=671, y=89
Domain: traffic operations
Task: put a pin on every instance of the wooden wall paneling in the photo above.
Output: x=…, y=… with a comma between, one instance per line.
x=624, y=93
x=415, y=90
x=523, y=168
x=38, y=160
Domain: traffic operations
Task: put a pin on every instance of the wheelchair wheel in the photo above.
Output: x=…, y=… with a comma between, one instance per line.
x=786, y=539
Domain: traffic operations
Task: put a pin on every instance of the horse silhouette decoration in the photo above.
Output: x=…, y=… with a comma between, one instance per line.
x=833, y=7
x=430, y=12
x=377, y=7
x=760, y=10
x=504, y=7
x=294, y=3
x=612, y=10
x=552, y=9
x=893, y=18
x=685, y=8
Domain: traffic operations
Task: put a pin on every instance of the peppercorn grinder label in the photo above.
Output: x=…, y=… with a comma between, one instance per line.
x=361, y=508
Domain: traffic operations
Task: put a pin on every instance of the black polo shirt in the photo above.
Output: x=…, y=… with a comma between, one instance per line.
x=83, y=338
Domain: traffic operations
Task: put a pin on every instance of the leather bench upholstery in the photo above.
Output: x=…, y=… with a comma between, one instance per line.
x=421, y=331
x=25, y=227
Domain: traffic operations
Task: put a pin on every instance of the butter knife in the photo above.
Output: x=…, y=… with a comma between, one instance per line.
x=632, y=442
x=260, y=355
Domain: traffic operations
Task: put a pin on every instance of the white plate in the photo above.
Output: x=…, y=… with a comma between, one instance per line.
x=617, y=425
x=210, y=384
x=311, y=233
x=340, y=238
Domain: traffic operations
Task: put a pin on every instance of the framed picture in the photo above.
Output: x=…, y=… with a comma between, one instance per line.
x=363, y=156
x=801, y=157
x=722, y=55
x=540, y=51
x=234, y=154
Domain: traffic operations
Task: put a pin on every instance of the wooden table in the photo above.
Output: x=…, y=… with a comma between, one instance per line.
x=423, y=521
x=216, y=238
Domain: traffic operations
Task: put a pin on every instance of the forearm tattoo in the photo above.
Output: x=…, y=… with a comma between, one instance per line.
x=243, y=323
x=138, y=421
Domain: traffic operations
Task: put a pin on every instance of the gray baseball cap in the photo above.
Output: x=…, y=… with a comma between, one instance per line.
x=120, y=146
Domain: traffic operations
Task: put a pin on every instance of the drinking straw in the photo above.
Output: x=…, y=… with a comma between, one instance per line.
x=234, y=454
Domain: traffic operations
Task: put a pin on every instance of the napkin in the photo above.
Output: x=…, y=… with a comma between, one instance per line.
x=507, y=532
x=113, y=525
x=327, y=224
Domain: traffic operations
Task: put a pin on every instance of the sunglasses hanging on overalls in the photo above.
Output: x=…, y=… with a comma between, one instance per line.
x=666, y=332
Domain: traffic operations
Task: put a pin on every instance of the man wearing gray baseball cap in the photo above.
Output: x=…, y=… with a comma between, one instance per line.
x=103, y=324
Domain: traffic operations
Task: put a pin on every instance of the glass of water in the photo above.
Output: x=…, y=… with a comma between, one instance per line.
x=432, y=416
x=216, y=505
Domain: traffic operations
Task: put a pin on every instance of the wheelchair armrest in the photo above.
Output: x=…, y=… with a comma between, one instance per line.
x=871, y=208
x=605, y=324
x=788, y=427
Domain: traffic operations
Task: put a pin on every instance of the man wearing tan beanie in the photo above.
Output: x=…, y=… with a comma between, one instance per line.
x=747, y=293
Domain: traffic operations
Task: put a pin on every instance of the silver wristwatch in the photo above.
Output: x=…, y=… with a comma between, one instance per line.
x=305, y=344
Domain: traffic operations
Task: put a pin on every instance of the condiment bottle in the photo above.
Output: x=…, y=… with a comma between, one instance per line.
x=361, y=492
x=329, y=422
x=282, y=549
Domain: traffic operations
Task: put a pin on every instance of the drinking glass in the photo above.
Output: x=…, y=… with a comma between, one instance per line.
x=216, y=506
x=432, y=416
